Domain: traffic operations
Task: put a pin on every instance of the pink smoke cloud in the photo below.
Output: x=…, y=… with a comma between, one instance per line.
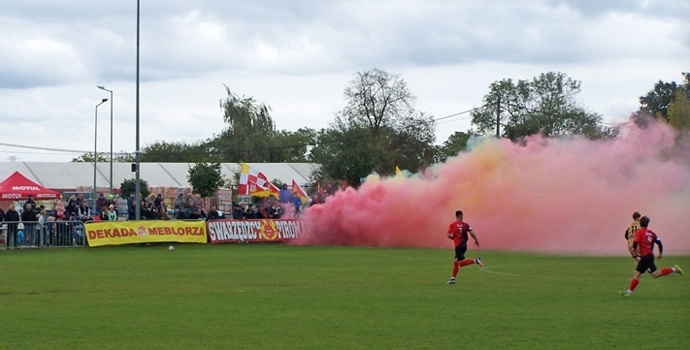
x=548, y=195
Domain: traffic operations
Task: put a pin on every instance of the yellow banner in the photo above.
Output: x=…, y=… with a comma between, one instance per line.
x=128, y=232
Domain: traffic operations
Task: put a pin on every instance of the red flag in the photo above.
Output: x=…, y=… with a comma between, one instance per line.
x=300, y=192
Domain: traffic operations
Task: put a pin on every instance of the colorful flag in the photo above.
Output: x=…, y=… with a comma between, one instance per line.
x=255, y=183
x=300, y=192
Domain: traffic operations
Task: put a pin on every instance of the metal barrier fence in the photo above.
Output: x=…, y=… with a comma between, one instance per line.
x=33, y=234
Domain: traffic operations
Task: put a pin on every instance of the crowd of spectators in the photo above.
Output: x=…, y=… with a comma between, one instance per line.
x=35, y=225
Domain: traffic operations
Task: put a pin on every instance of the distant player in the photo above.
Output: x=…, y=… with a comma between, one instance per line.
x=458, y=231
x=630, y=234
x=644, y=244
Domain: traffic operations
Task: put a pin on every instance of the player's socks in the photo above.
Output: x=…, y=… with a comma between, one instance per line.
x=455, y=269
x=466, y=262
x=633, y=284
x=666, y=271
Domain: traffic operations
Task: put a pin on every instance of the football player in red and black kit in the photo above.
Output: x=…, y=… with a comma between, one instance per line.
x=644, y=245
x=458, y=231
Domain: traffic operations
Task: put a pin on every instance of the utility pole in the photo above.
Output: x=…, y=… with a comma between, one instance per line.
x=498, y=117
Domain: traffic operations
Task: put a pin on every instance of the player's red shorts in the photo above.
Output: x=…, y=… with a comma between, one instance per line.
x=646, y=263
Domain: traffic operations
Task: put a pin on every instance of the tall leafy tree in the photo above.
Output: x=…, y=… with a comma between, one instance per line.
x=546, y=104
x=375, y=98
x=206, y=178
x=249, y=133
x=377, y=130
x=679, y=111
x=658, y=100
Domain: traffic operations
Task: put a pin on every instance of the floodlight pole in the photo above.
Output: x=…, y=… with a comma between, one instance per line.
x=95, y=150
x=137, y=190
x=111, y=137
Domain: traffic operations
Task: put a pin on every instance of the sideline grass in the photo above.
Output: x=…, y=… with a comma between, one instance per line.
x=281, y=297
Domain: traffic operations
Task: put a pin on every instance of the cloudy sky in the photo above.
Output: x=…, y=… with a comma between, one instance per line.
x=297, y=57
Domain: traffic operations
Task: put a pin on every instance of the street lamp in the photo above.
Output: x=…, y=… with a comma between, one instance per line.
x=95, y=155
x=137, y=186
x=111, y=137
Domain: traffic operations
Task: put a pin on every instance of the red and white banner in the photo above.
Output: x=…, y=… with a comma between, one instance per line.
x=264, y=230
x=255, y=183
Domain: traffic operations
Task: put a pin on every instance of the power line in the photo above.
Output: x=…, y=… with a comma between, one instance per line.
x=458, y=113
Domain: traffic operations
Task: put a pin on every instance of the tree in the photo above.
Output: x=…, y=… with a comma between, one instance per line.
x=377, y=130
x=345, y=154
x=88, y=158
x=124, y=157
x=249, y=133
x=177, y=152
x=545, y=105
x=679, y=111
x=129, y=186
x=292, y=146
x=205, y=178
x=658, y=100
x=455, y=144
x=375, y=98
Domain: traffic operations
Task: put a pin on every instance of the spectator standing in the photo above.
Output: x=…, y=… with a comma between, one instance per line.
x=131, y=207
x=178, y=206
x=296, y=202
x=29, y=219
x=41, y=227
x=33, y=204
x=59, y=209
x=284, y=195
x=12, y=220
x=2, y=215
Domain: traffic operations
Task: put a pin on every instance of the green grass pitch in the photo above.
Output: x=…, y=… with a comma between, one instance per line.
x=273, y=296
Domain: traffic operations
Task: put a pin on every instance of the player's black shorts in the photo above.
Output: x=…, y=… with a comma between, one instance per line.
x=646, y=263
x=460, y=251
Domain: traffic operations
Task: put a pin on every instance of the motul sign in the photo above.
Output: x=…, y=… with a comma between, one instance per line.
x=25, y=188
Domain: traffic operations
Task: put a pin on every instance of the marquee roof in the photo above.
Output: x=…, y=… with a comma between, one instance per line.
x=75, y=175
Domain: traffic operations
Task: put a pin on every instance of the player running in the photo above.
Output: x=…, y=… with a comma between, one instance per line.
x=644, y=244
x=630, y=234
x=457, y=231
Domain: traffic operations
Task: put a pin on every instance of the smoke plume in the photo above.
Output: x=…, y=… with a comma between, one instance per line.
x=572, y=196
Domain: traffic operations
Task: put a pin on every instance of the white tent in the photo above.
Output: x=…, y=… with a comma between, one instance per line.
x=71, y=176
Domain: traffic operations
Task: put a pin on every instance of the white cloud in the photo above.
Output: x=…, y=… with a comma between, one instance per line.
x=298, y=56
